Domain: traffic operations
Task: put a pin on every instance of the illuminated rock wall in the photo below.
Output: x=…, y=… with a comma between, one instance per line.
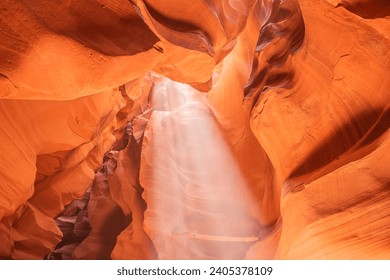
x=221, y=129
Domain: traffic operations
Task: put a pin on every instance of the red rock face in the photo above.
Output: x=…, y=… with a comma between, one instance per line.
x=219, y=130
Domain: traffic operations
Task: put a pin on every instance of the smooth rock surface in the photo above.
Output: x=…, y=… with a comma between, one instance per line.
x=224, y=129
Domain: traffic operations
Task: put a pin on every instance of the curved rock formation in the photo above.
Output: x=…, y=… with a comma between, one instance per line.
x=337, y=108
x=142, y=129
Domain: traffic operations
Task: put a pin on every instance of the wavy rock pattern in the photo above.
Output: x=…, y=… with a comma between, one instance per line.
x=147, y=129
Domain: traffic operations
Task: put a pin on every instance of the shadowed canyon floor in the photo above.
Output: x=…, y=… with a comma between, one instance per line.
x=224, y=129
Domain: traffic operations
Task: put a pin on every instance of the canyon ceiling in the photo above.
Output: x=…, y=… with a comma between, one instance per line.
x=205, y=129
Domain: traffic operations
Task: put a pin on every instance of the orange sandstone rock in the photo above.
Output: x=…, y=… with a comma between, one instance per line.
x=146, y=129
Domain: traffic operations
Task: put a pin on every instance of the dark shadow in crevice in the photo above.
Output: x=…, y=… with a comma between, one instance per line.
x=95, y=25
x=370, y=10
x=360, y=131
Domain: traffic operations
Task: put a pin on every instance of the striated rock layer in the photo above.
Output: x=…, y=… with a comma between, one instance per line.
x=145, y=129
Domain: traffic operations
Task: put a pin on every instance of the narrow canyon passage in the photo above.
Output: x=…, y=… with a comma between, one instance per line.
x=224, y=129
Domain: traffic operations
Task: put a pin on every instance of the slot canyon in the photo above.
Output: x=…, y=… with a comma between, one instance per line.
x=204, y=129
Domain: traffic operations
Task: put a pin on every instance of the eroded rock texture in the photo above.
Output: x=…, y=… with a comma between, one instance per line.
x=224, y=129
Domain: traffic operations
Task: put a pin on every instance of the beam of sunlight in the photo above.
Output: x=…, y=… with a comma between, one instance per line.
x=197, y=199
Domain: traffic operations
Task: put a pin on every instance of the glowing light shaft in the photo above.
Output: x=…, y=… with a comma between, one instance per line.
x=193, y=187
x=221, y=238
